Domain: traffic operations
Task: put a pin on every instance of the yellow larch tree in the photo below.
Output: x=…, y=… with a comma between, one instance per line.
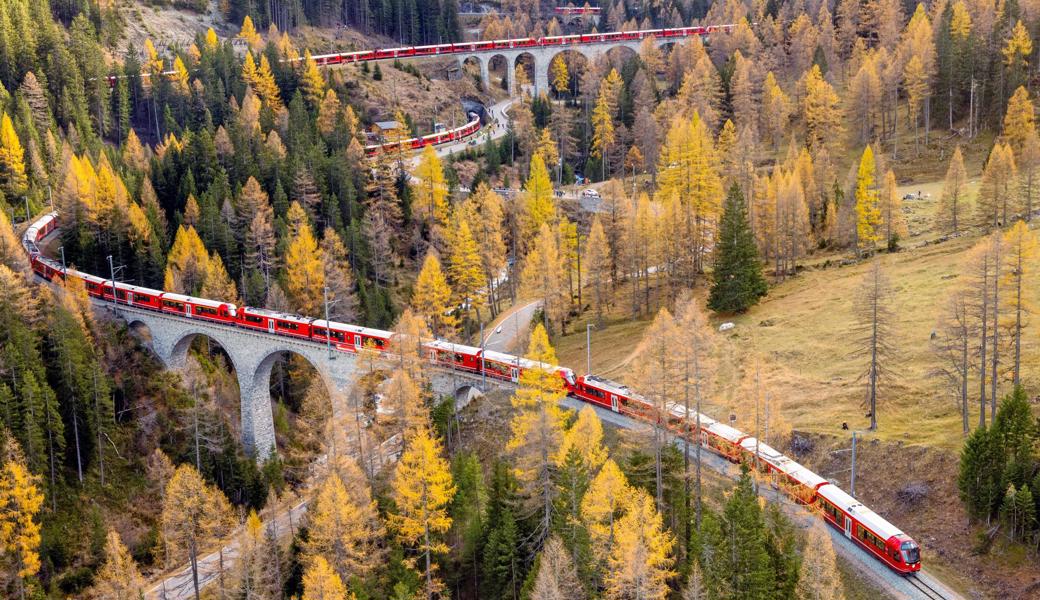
x=822, y=112
x=1021, y=248
x=429, y=191
x=423, y=490
x=258, y=570
x=118, y=578
x=410, y=331
x=194, y=514
x=776, y=109
x=305, y=272
x=20, y=503
x=656, y=370
x=603, y=135
x=537, y=427
x=868, y=208
x=344, y=527
x=187, y=263
x=180, y=77
x=249, y=34
x=312, y=84
x=483, y=210
x=153, y=65
x=561, y=78
x=892, y=219
x=950, y=214
x=557, y=578
x=539, y=205
x=640, y=562
x=329, y=112
x=818, y=578
x=11, y=254
x=12, y=159
x=249, y=69
x=606, y=500
x=464, y=268
x=542, y=278
x=1017, y=50
x=265, y=87
x=585, y=436
x=217, y=284
x=431, y=297
x=320, y=582
x=403, y=397
x=1019, y=120
x=996, y=198
x=212, y=41
x=597, y=268
x=688, y=173
x=135, y=155
x=547, y=148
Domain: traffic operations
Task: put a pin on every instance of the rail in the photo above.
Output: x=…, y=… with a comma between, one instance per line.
x=359, y=56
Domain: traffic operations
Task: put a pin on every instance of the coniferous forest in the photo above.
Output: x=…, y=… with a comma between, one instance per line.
x=819, y=220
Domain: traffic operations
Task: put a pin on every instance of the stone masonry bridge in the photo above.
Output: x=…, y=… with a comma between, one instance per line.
x=253, y=354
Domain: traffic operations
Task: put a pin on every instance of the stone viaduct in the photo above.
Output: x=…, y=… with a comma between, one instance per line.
x=542, y=57
x=253, y=354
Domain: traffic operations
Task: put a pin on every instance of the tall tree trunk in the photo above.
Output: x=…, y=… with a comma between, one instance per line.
x=996, y=329
x=982, y=343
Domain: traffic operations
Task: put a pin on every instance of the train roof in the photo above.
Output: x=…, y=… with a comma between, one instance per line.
x=726, y=432
x=87, y=276
x=194, y=300
x=452, y=347
x=338, y=326
x=274, y=314
x=608, y=385
x=137, y=289
x=785, y=464
x=866, y=517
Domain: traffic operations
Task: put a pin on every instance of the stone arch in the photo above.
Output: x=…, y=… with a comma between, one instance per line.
x=140, y=331
x=527, y=62
x=621, y=54
x=466, y=393
x=258, y=430
x=577, y=60
x=178, y=355
x=498, y=67
x=474, y=66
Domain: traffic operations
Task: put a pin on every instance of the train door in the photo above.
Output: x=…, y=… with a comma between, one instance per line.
x=270, y=326
x=514, y=374
x=187, y=310
x=613, y=402
x=848, y=527
x=357, y=342
x=129, y=298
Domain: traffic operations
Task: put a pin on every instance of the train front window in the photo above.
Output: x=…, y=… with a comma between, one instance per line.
x=911, y=553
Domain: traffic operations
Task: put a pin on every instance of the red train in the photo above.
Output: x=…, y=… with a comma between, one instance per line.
x=869, y=530
x=464, y=47
x=569, y=11
x=418, y=143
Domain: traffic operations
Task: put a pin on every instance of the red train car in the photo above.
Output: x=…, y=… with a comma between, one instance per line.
x=274, y=322
x=871, y=532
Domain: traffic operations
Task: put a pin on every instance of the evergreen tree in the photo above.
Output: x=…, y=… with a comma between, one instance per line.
x=737, y=281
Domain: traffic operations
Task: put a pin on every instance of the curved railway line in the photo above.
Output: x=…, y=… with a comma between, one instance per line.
x=849, y=519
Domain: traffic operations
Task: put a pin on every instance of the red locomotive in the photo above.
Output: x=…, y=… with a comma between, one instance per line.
x=869, y=530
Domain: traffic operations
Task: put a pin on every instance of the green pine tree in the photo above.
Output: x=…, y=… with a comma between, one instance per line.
x=503, y=563
x=572, y=481
x=745, y=570
x=737, y=280
x=978, y=478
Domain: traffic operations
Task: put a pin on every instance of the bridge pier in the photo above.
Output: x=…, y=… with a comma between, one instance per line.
x=253, y=355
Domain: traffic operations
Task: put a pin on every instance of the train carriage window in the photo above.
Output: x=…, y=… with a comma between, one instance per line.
x=318, y=331
x=254, y=319
x=120, y=294
x=287, y=325
x=337, y=336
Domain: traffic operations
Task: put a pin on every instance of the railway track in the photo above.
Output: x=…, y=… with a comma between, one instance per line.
x=927, y=590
